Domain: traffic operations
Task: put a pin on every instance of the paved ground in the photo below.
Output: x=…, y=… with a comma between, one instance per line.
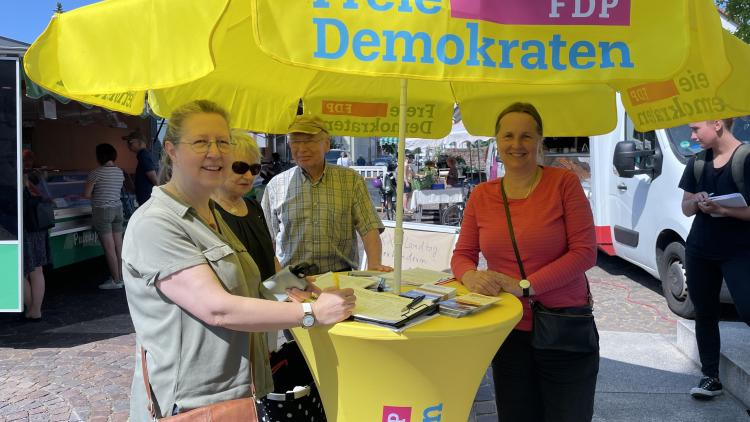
x=77, y=363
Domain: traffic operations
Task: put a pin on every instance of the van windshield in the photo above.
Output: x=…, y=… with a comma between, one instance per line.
x=679, y=136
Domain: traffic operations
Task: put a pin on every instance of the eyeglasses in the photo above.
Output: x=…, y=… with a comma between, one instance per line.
x=202, y=146
x=241, y=167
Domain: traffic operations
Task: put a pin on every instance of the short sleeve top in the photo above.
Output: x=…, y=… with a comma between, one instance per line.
x=190, y=363
x=107, y=180
x=715, y=237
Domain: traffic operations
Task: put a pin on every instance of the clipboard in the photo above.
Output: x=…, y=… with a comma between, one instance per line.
x=732, y=200
x=407, y=317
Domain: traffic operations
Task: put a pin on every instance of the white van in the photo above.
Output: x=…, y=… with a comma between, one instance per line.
x=631, y=179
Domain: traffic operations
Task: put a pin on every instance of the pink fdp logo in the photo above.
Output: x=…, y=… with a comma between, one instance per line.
x=544, y=12
x=396, y=414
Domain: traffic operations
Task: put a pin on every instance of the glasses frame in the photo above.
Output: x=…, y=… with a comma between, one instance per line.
x=222, y=146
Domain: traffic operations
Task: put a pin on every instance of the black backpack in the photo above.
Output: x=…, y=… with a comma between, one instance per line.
x=737, y=165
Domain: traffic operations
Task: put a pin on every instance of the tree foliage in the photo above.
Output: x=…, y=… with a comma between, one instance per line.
x=739, y=12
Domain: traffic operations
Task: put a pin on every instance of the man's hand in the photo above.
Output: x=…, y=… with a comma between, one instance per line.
x=701, y=197
x=379, y=267
x=483, y=282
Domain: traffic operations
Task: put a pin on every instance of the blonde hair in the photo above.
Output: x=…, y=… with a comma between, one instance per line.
x=174, y=129
x=245, y=144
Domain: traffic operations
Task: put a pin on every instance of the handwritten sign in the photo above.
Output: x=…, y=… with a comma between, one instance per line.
x=423, y=249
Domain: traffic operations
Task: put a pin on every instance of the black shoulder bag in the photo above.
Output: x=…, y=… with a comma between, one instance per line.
x=566, y=329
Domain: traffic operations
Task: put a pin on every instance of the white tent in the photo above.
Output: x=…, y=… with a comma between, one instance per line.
x=455, y=139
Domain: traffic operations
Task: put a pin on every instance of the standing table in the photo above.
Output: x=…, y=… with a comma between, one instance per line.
x=429, y=372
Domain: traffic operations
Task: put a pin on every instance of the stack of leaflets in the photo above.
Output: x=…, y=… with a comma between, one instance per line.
x=442, y=292
x=466, y=304
x=389, y=310
x=341, y=281
x=420, y=276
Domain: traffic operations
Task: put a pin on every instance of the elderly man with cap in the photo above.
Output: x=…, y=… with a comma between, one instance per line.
x=315, y=210
x=145, y=171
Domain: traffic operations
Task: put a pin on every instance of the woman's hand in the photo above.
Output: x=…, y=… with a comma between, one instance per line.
x=333, y=306
x=482, y=282
x=311, y=291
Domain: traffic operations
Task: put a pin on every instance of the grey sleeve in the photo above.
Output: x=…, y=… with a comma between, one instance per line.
x=157, y=247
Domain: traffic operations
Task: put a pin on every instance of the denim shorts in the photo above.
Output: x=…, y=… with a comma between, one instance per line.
x=107, y=219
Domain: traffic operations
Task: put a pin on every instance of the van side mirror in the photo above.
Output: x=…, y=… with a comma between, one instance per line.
x=625, y=157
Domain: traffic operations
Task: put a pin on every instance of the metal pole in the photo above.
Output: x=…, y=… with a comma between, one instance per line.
x=398, y=238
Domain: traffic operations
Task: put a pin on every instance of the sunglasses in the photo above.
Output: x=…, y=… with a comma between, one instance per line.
x=241, y=167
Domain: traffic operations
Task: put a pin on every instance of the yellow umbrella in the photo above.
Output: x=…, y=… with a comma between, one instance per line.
x=349, y=61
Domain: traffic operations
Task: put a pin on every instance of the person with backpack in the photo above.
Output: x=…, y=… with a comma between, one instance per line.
x=718, y=245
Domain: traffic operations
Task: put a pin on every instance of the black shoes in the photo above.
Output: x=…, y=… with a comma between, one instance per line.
x=707, y=389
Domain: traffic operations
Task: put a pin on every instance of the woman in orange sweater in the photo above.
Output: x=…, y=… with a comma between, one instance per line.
x=554, y=231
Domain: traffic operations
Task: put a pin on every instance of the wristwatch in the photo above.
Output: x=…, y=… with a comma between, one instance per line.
x=308, y=320
x=525, y=285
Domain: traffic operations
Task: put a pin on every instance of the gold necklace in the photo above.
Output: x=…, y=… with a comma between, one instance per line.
x=536, y=178
x=233, y=208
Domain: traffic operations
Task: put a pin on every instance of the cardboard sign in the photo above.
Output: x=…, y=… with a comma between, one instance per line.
x=425, y=249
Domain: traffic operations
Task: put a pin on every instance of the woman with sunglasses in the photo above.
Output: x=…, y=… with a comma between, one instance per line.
x=193, y=290
x=245, y=216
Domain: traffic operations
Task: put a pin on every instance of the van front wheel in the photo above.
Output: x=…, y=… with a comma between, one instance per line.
x=673, y=280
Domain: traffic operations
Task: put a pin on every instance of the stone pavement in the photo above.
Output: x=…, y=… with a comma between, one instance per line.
x=77, y=364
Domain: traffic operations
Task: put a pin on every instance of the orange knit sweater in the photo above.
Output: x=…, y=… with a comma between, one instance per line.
x=554, y=230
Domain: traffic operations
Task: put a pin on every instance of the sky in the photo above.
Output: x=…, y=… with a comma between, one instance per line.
x=24, y=20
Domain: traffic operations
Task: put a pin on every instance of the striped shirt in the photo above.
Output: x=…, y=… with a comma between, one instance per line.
x=107, y=182
x=317, y=223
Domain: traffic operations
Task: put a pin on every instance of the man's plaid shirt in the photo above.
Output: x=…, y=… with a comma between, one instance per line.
x=317, y=223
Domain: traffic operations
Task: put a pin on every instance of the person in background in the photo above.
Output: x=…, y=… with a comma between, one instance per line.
x=103, y=187
x=245, y=216
x=146, y=170
x=315, y=211
x=268, y=172
x=193, y=290
x=343, y=161
x=36, y=247
x=554, y=230
x=452, y=178
x=361, y=161
x=410, y=172
x=718, y=245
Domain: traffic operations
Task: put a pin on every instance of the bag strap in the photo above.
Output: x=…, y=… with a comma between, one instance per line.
x=698, y=164
x=738, y=167
x=510, y=229
x=147, y=384
x=515, y=245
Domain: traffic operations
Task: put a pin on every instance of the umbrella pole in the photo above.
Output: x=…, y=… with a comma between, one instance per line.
x=398, y=238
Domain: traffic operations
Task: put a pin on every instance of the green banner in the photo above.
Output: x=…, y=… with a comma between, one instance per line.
x=10, y=296
x=74, y=247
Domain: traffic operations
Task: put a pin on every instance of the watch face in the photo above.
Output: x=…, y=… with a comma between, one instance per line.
x=524, y=284
x=308, y=321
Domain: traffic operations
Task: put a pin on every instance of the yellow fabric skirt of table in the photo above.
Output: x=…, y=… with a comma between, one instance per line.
x=428, y=373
